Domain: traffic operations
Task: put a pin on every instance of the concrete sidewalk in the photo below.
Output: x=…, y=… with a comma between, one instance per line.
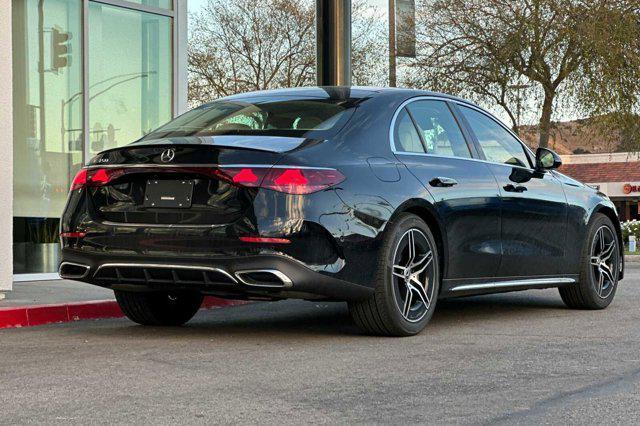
x=53, y=292
x=46, y=302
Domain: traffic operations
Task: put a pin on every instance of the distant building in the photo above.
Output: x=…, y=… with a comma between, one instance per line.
x=616, y=174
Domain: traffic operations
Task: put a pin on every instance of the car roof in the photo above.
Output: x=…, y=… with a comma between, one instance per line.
x=340, y=92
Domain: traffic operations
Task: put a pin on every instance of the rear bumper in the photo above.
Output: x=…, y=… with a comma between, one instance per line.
x=244, y=277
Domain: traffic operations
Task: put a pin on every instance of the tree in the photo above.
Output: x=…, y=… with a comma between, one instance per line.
x=248, y=45
x=588, y=50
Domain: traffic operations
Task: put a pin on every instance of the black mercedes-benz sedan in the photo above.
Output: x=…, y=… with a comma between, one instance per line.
x=388, y=199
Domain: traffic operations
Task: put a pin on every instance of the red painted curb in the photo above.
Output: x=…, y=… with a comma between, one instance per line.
x=27, y=316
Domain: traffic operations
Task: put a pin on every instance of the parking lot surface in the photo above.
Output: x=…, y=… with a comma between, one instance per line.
x=511, y=358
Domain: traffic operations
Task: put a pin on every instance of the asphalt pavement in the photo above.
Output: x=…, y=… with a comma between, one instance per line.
x=518, y=358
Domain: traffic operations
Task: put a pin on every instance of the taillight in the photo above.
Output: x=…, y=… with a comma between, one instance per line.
x=95, y=177
x=73, y=234
x=265, y=240
x=289, y=180
x=80, y=180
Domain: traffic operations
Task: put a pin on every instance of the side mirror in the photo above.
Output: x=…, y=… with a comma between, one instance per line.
x=546, y=159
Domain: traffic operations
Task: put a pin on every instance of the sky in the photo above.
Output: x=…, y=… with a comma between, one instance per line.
x=195, y=5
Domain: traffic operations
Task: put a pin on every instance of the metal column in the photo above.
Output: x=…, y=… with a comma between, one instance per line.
x=333, y=41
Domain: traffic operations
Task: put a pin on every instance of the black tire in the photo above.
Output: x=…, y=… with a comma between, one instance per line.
x=586, y=294
x=159, y=308
x=381, y=314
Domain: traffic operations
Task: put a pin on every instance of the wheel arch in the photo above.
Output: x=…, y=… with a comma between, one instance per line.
x=610, y=212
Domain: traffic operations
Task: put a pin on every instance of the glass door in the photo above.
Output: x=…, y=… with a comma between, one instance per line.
x=128, y=70
x=48, y=143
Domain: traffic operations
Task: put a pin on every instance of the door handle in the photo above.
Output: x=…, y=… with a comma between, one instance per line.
x=442, y=182
x=511, y=188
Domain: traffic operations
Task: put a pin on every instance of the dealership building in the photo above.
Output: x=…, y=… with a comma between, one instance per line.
x=78, y=77
x=82, y=76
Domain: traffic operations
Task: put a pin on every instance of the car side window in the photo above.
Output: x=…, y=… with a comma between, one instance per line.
x=405, y=135
x=440, y=131
x=496, y=142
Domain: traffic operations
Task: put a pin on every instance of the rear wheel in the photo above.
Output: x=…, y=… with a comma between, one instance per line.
x=159, y=308
x=600, y=264
x=407, y=281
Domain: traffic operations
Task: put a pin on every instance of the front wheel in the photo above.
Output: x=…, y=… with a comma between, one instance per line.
x=159, y=308
x=599, y=268
x=407, y=281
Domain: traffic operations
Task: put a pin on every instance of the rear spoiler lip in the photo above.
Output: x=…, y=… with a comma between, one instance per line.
x=266, y=143
x=201, y=165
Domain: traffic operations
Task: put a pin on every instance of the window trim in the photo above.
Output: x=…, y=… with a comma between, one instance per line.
x=466, y=130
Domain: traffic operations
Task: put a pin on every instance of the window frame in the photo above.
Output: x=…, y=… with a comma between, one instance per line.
x=472, y=141
x=464, y=129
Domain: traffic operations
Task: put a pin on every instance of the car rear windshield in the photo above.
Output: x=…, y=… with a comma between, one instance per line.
x=291, y=117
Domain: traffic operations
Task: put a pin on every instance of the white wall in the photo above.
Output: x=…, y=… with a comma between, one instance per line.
x=613, y=157
x=6, y=144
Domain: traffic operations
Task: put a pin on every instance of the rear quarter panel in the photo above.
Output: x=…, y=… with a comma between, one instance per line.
x=376, y=185
x=583, y=202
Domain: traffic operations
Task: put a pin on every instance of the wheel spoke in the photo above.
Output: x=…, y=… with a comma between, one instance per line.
x=606, y=271
x=601, y=239
x=398, y=271
x=419, y=289
x=595, y=260
x=407, y=302
x=412, y=247
x=600, y=281
x=608, y=251
x=422, y=264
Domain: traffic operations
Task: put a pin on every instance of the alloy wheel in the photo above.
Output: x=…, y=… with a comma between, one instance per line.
x=413, y=275
x=604, y=261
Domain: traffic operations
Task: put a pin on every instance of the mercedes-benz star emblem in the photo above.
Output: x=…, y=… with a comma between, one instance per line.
x=167, y=155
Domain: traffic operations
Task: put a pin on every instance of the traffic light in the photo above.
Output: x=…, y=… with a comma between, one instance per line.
x=59, y=49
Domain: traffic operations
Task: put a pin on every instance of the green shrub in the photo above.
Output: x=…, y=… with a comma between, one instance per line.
x=630, y=227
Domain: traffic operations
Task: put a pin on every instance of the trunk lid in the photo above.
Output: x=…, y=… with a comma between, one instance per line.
x=179, y=181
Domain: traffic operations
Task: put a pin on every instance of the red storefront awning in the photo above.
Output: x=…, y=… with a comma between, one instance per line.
x=603, y=172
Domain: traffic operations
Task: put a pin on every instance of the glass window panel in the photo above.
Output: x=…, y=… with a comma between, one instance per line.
x=160, y=4
x=440, y=131
x=47, y=144
x=405, y=135
x=130, y=68
x=293, y=117
x=497, y=143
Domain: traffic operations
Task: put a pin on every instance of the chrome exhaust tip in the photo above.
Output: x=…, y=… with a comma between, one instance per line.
x=266, y=278
x=73, y=271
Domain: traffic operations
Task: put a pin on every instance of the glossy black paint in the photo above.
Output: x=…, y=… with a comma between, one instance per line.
x=492, y=221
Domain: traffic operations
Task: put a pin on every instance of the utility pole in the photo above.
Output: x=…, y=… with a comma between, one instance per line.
x=392, y=43
x=333, y=42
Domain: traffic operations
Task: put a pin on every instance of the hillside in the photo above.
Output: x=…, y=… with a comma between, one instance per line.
x=575, y=137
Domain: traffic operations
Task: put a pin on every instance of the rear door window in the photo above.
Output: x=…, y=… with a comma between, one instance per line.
x=440, y=131
x=405, y=134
